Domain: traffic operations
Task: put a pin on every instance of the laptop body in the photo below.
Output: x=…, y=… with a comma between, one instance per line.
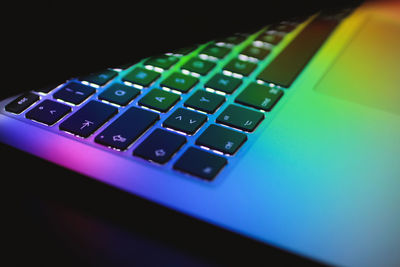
x=317, y=177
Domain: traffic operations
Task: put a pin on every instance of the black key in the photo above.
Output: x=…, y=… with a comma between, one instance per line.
x=215, y=51
x=74, y=93
x=205, y=101
x=200, y=163
x=21, y=103
x=240, y=117
x=48, y=112
x=223, y=83
x=199, y=66
x=127, y=128
x=100, y=78
x=88, y=119
x=46, y=89
x=282, y=27
x=233, y=40
x=159, y=100
x=119, y=94
x=222, y=139
x=241, y=67
x=141, y=76
x=186, y=121
x=180, y=82
x=160, y=146
x=255, y=52
x=284, y=69
x=184, y=51
x=269, y=38
x=259, y=96
x=161, y=61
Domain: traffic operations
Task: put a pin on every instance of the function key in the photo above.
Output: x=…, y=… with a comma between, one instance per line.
x=205, y=101
x=74, y=93
x=48, y=112
x=198, y=66
x=119, y=94
x=160, y=146
x=21, y=103
x=240, y=117
x=221, y=139
x=259, y=96
x=88, y=119
x=223, y=83
x=184, y=51
x=186, y=121
x=100, y=78
x=282, y=27
x=233, y=40
x=141, y=76
x=200, y=163
x=180, y=82
x=215, y=51
x=159, y=100
x=127, y=128
x=46, y=89
x=255, y=52
x=241, y=67
x=161, y=61
x=269, y=38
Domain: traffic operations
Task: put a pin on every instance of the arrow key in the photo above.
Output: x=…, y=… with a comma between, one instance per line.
x=185, y=120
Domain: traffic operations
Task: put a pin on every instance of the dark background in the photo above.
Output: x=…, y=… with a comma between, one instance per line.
x=51, y=216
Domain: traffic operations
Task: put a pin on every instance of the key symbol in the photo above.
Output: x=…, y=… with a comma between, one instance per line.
x=229, y=145
x=141, y=75
x=119, y=138
x=240, y=66
x=160, y=99
x=160, y=152
x=180, y=80
x=203, y=99
x=86, y=123
x=198, y=64
x=119, y=93
x=23, y=100
x=207, y=170
x=248, y=123
x=265, y=102
x=223, y=81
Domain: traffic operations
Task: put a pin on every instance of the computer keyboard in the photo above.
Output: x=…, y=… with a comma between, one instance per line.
x=190, y=110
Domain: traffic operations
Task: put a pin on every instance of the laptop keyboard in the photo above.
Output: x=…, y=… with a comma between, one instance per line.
x=190, y=110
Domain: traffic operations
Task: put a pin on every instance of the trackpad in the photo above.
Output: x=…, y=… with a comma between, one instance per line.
x=368, y=69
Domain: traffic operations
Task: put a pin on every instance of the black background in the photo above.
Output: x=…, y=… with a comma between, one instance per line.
x=54, y=217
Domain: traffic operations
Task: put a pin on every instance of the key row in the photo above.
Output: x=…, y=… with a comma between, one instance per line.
x=255, y=95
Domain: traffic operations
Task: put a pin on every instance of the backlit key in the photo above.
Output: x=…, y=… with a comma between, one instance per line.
x=88, y=119
x=127, y=128
x=200, y=163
